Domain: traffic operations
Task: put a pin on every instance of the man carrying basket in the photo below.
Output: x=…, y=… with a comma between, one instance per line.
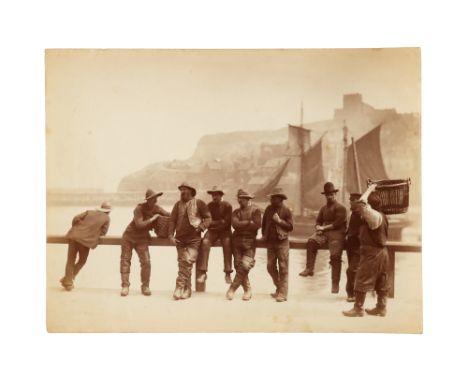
x=373, y=264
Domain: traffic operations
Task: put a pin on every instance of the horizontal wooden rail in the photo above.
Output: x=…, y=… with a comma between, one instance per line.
x=392, y=247
x=397, y=246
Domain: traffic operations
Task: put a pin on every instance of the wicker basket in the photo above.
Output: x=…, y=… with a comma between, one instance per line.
x=394, y=195
x=161, y=226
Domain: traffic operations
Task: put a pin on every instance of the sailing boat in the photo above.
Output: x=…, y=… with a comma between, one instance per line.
x=302, y=175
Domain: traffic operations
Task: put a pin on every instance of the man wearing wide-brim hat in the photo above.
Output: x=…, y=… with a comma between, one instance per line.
x=330, y=230
x=84, y=235
x=276, y=225
x=246, y=221
x=219, y=229
x=189, y=218
x=137, y=237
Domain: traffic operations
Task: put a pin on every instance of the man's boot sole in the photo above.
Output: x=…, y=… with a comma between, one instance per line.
x=378, y=314
x=346, y=314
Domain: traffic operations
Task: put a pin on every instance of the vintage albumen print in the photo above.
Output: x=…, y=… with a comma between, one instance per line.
x=233, y=190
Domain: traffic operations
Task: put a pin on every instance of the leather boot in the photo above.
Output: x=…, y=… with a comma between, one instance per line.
x=275, y=294
x=124, y=292
x=310, y=265
x=335, y=275
x=247, y=289
x=230, y=292
x=357, y=310
x=68, y=287
x=125, y=284
x=177, y=295
x=145, y=290
x=187, y=292
x=281, y=296
x=381, y=307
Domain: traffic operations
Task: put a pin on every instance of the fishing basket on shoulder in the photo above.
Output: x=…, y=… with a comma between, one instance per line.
x=394, y=195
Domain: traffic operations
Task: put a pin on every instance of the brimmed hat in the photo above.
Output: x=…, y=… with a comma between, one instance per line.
x=353, y=196
x=151, y=194
x=244, y=194
x=278, y=191
x=215, y=190
x=186, y=185
x=105, y=207
x=329, y=188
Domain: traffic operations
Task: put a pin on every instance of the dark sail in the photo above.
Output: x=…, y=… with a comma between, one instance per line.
x=313, y=177
x=266, y=188
x=369, y=158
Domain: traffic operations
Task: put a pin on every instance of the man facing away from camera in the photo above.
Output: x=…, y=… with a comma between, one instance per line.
x=84, y=235
x=219, y=229
x=137, y=237
x=246, y=221
x=372, y=273
x=189, y=218
x=276, y=225
x=330, y=230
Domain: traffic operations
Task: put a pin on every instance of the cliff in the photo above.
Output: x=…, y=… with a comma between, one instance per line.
x=245, y=158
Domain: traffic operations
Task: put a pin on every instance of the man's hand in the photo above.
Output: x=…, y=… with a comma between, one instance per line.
x=319, y=229
x=153, y=218
x=276, y=218
x=198, y=229
x=173, y=240
x=372, y=187
x=366, y=193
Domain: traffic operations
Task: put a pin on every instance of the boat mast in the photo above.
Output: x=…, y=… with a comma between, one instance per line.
x=301, y=181
x=345, y=161
x=356, y=165
x=302, y=114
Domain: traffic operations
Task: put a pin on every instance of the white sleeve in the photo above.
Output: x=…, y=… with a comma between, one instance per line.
x=372, y=217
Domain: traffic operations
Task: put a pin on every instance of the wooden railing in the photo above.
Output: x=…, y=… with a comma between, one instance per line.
x=392, y=246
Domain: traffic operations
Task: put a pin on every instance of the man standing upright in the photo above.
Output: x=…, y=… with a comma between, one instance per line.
x=220, y=228
x=246, y=221
x=330, y=230
x=352, y=246
x=189, y=218
x=276, y=225
x=136, y=237
x=84, y=235
x=372, y=273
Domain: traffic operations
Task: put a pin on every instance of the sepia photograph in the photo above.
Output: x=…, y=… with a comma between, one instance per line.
x=233, y=190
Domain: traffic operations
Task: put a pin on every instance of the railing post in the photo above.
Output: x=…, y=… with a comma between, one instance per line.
x=391, y=273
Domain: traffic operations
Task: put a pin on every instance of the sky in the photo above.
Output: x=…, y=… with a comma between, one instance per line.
x=112, y=112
